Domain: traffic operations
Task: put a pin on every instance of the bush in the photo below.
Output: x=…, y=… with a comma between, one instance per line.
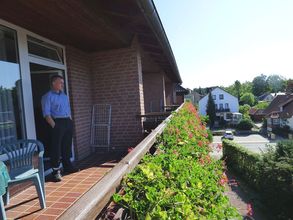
x=245, y=124
x=244, y=109
x=180, y=181
x=205, y=119
x=210, y=135
x=242, y=161
x=261, y=105
x=282, y=131
x=270, y=174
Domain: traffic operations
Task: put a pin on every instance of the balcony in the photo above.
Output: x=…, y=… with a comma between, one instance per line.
x=223, y=110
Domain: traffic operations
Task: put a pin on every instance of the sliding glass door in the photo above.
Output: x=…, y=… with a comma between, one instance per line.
x=11, y=104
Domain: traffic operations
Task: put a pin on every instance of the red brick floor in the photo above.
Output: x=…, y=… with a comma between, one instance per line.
x=60, y=196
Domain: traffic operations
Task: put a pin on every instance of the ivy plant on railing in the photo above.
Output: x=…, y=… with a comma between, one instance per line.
x=180, y=181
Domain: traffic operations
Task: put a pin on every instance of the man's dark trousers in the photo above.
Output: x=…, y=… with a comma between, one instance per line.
x=61, y=142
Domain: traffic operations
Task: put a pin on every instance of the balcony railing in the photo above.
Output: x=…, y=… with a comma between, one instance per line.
x=223, y=110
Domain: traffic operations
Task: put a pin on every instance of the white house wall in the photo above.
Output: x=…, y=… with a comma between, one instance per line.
x=228, y=98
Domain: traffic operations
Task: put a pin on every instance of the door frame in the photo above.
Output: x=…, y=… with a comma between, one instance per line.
x=25, y=75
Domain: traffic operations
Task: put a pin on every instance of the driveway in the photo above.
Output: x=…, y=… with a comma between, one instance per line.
x=253, y=142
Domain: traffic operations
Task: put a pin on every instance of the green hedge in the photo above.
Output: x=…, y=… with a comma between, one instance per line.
x=181, y=180
x=242, y=161
x=270, y=174
x=245, y=124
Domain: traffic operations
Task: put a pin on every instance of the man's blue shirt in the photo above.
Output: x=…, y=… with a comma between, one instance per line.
x=56, y=105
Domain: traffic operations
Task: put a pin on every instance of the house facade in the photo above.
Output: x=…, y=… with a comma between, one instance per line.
x=268, y=97
x=280, y=112
x=193, y=97
x=225, y=104
x=180, y=93
x=108, y=52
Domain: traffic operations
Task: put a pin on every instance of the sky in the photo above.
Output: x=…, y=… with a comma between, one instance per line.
x=216, y=42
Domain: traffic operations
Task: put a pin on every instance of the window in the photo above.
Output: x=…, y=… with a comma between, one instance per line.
x=221, y=106
x=11, y=104
x=45, y=50
x=226, y=105
x=221, y=96
x=276, y=121
x=216, y=106
x=214, y=97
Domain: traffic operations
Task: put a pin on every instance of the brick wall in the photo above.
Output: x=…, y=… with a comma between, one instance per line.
x=170, y=92
x=117, y=80
x=179, y=99
x=154, y=97
x=81, y=97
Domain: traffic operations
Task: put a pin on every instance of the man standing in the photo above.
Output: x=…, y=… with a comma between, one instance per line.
x=56, y=111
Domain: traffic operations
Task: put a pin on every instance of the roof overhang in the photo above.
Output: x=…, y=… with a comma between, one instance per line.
x=96, y=25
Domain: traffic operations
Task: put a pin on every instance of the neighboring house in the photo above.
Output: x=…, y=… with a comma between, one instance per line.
x=268, y=97
x=180, y=92
x=256, y=114
x=280, y=112
x=225, y=104
x=194, y=97
x=109, y=52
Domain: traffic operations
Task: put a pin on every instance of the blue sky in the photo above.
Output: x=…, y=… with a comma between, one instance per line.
x=216, y=42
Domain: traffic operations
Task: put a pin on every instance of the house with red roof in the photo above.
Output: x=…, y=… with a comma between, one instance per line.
x=280, y=112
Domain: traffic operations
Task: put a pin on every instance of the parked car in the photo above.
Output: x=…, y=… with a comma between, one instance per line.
x=228, y=135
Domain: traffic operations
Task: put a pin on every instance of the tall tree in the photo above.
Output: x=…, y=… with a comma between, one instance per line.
x=289, y=86
x=246, y=87
x=277, y=83
x=247, y=98
x=260, y=85
x=237, y=86
x=211, y=110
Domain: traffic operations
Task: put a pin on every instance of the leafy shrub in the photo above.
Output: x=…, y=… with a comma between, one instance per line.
x=284, y=150
x=205, y=119
x=242, y=161
x=261, y=105
x=282, y=131
x=270, y=174
x=210, y=135
x=247, y=98
x=180, y=181
x=245, y=124
x=244, y=109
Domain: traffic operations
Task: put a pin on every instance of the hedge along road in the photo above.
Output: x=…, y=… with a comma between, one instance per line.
x=253, y=142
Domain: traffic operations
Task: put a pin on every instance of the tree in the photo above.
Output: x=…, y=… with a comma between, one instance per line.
x=247, y=98
x=244, y=109
x=289, y=86
x=260, y=85
x=277, y=83
x=246, y=87
x=234, y=89
x=211, y=110
x=262, y=105
x=237, y=86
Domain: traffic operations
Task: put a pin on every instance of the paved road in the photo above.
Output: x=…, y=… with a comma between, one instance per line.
x=253, y=142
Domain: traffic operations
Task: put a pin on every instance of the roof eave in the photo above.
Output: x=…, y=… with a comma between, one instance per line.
x=150, y=13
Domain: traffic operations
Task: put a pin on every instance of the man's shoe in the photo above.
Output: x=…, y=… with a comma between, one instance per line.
x=57, y=176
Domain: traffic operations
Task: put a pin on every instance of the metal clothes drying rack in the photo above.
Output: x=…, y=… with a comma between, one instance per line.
x=101, y=126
